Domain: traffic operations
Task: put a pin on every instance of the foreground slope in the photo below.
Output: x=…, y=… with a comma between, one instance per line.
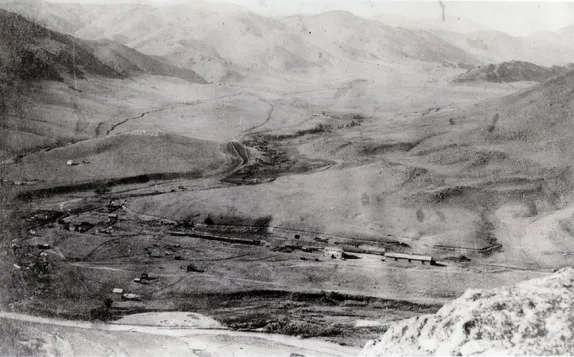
x=23, y=335
x=532, y=318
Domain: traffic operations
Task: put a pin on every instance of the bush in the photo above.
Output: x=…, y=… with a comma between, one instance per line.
x=102, y=190
x=303, y=328
x=263, y=221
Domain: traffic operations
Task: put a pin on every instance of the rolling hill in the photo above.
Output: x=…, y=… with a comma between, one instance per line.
x=224, y=42
x=495, y=46
x=61, y=17
x=221, y=44
x=511, y=157
x=513, y=71
x=196, y=38
x=43, y=74
x=30, y=51
x=455, y=24
x=120, y=156
x=344, y=34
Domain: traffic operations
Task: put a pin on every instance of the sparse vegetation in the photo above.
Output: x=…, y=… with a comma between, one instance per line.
x=102, y=190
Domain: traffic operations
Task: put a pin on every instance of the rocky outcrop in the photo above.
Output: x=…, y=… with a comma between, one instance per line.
x=535, y=317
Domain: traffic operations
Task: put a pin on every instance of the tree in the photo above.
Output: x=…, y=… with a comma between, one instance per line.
x=209, y=221
x=102, y=189
x=108, y=302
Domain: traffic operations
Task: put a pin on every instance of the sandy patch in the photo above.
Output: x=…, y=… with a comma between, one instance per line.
x=170, y=319
x=367, y=323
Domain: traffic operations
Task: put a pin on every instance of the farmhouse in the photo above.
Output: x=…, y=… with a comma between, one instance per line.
x=410, y=258
x=334, y=253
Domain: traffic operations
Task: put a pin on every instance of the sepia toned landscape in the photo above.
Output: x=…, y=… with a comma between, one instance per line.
x=201, y=179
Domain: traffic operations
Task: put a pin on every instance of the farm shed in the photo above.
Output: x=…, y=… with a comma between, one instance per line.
x=410, y=257
x=310, y=249
x=334, y=253
x=131, y=297
x=117, y=291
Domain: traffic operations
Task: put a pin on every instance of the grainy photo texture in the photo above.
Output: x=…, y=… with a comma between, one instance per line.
x=296, y=178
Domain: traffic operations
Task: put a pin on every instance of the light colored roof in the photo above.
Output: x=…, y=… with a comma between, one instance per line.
x=118, y=291
x=132, y=296
x=408, y=256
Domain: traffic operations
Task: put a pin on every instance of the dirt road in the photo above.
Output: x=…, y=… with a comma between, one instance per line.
x=81, y=338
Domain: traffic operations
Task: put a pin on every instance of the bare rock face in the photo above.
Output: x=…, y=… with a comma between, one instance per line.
x=535, y=317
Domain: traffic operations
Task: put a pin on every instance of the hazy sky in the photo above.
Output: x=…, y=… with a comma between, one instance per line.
x=514, y=17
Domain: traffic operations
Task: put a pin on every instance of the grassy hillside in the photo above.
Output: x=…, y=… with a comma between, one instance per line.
x=32, y=52
x=249, y=41
x=129, y=62
x=125, y=155
x=495, y=46
x=513, y=71
x=56, y=88
x=344, y=34
x=468, y=176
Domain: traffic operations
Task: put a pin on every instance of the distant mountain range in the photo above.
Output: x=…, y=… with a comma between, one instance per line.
x=221, y=42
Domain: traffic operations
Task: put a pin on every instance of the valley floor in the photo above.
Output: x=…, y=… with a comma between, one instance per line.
x=229, y=195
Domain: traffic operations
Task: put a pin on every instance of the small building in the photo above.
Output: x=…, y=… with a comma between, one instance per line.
x=410, y=258
x=334, y=253
x=131, y=297
x=148, y=276
x=71, y=163
x=44, y=246
x=310, y=249
x=118, y=291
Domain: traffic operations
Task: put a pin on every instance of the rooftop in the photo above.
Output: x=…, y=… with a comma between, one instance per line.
x=408, y=256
